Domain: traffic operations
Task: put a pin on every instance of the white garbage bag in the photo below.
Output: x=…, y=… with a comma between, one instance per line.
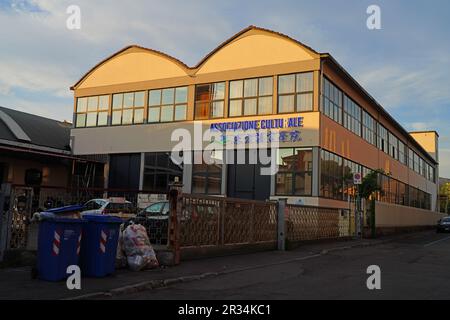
x=137, y=247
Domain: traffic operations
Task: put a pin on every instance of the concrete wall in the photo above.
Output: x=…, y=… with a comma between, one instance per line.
x=391, y=215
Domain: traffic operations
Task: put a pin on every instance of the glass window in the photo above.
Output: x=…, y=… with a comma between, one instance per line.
x=206, y=178
x=352, y=116
x=128, y=108
x=159, y=171
x=294, y=175
x=167, y=105
x=250, y=97
x=402, y=152
x=331, y=102
x=331, y=175
x=92, y=111
x=209, y=100
x=295, y=92
x=369, y=128
x=382, y=134
x=393, y=146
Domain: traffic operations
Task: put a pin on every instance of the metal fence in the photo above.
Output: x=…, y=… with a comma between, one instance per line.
x=214, y=221
x=315, y=223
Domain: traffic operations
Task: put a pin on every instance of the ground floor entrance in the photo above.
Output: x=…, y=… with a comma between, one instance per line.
x=246, y=180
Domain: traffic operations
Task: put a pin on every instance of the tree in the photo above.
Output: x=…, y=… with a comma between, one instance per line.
x=444, y=194
x=368, y=189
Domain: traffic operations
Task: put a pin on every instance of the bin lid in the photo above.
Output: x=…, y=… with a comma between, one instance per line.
x=102, y=218
x=62, y=220
x=65, y=209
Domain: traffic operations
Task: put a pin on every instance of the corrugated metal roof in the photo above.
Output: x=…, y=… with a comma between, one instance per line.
x=42, y=131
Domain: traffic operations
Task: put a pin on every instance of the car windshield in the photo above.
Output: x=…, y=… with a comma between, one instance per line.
x=156, y=209
x=446, y=219
x=119, y=207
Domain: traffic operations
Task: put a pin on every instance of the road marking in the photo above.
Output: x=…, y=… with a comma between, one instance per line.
x=437, y=241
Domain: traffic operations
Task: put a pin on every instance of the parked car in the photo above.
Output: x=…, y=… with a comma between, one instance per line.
x=118, y=207
x=443, y=225
x=155, y=219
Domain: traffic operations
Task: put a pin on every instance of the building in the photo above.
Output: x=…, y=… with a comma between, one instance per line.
x=327, y=125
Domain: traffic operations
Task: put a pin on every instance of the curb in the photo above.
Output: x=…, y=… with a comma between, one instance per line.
x=156, y=284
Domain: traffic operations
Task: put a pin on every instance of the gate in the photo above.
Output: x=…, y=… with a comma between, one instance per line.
x=20, y=213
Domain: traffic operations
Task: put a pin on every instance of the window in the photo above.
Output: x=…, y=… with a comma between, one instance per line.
x=167, y=105
x=128, y=108
x=410, y=159
x=369, y=128
x=206, y=178
x=352, y=116
x=393, y=146
x=294, y=175
x=92, y=111
x=416, y=163
x=331, y=175
x=402, y=152
x=251, y=97
x=331, y=102
x=159, y=171
x=382, y=138
x=209, y=100
x=295, y=92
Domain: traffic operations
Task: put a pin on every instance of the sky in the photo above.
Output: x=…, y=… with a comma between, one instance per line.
x=405, y=65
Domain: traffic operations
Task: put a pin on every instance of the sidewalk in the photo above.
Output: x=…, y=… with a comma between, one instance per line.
x=16, y=283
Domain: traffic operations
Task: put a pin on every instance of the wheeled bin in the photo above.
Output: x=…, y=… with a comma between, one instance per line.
x=99, y=245
x=59, y=243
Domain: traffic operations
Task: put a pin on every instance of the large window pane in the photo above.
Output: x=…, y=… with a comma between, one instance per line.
x=181, y=95
x=265, y=105
x=154, y=98
x=217, y=109
x=219, y=91
x=168, y=96
x=103, y=103
x=236, y=89
x=116, y=117
x=305, y=82
x=127, y=116
x=286, y=104
x=81, y=120
x=180, y=112
x=91, y=119
x=92, y=103
x=235, y=108
x=286, y=84
x=128, y=100
x=81, y=104
x=304, y=102
x=265, y=86
x=102, y=118
x=250, y=107
x=251, y=88
x=117, y=101
x=153, y=115
x=138, y=115
x=139, y=98
x=166, y=113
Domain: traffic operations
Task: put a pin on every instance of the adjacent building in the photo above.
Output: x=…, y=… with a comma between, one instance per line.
x=328, y=126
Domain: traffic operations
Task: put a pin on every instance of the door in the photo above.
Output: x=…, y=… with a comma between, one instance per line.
x=245, y=181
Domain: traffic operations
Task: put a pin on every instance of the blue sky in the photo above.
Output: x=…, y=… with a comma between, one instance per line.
x=405, y=65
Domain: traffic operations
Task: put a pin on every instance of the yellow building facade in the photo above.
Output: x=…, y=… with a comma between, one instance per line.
x=326, y=125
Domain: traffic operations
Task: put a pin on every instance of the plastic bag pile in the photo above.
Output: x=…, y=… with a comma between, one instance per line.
x=134, y=249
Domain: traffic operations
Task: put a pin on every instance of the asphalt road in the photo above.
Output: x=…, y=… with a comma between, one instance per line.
x=417, y=267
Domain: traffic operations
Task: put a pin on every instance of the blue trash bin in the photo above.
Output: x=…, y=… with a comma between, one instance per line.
x=58, y=247
x=99, y=245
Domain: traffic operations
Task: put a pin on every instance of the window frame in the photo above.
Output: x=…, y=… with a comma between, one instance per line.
x=86, y=112
x=160, y=106
x=243, y=98
x=294, y=173
x=210, y=101
x=122, y=108
x=295, y=93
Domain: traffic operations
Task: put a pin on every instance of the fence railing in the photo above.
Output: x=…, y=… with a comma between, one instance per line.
x=305, y=223
x=210, y=221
